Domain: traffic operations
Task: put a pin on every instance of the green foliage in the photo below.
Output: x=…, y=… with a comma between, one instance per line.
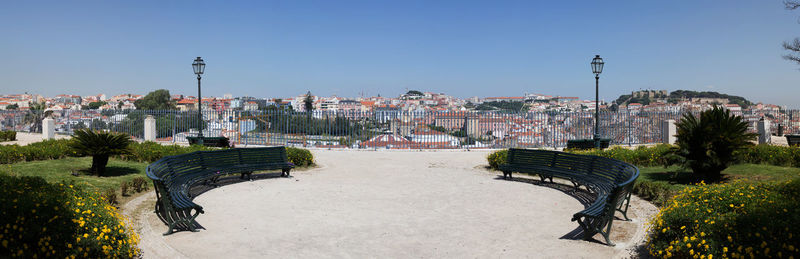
x=640, y=156
x=308, y=102
x=96, y=105
x=12, y=107
x=99, y=145
x=149, y=151
x=299, y=156
x=8, y=135
x=709, y=144
x=60, y=220
x=497, y=158
x=139, y=184
x=301, y=123
x=124, y=188
x=503, y=106
x=48, y=149
x=415, y=92
x=656, y=192
x=752, y=219
x=156, y=100
x=110, y=196
x=686, y=94
x=772, y=155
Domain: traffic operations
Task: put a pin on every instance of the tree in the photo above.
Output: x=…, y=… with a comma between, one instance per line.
x=710, y=143
x=35, y=116
x=12, y=107
x=156, y=100
x=96, y=105
x=308, y=102
x=100, y=145
x=794, y=46
x=415, y=92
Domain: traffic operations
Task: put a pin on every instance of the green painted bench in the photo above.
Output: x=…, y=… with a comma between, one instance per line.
x=611, y=180
x=173, y=176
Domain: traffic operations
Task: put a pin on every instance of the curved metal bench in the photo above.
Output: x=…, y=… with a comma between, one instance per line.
x=173, y=176
x=611, y=180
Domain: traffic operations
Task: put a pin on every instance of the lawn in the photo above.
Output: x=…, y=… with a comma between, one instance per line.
x=58, y=170
x=678, y=179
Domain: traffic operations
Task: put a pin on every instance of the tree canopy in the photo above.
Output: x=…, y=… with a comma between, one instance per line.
x=792, y=46
x=156, y=100
x=415, y=92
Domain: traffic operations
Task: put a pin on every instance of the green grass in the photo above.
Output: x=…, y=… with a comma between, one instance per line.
x=678, y=179
x=58, y=170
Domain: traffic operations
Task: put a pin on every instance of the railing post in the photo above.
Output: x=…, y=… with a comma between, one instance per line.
x=764, y=134
x=149, y=128
x=668, y=132
x=48, y=128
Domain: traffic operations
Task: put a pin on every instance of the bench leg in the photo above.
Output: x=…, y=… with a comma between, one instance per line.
x=507, y=174
x=249, y=176
x=285, y=172
x=576, y=184
x=623, y=207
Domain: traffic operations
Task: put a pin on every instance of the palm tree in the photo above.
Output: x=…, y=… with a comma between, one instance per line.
x=708, y=144
x=100, y=145
x=35, y=116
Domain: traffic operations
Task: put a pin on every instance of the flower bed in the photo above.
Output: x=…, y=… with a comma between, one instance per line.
x=736, y=220
x=60, y=221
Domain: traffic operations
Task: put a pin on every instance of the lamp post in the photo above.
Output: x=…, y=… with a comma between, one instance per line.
x=198, y=65
x=597, y=68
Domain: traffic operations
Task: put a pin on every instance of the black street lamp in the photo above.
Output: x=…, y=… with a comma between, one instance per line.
x=597, y=68
x=198, y=65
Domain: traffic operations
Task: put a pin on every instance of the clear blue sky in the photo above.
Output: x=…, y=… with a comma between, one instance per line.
x=462, y=48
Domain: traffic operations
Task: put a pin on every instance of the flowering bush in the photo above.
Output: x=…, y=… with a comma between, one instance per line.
x=497, y=158
x=60, y=221
x=299, y=156
x=736, y=220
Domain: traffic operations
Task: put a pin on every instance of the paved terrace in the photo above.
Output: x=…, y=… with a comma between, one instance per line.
x=395, y=204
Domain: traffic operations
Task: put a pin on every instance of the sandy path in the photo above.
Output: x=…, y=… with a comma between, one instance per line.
x=389, y=204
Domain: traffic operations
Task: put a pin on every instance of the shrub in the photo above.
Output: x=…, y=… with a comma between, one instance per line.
x=48, y=149
x=656, y=192
x=149, y=151
x=709, y=144
x=772, y=155
x=640, y=156
x=497, y=158
x=299, y=156
x=8, y=135
x=124, y=188
x=110, y=196
x=753, y=219
x=100, y=145
x=58, y=221
x=139, y=184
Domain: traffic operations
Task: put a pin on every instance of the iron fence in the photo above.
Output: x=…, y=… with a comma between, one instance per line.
x=391, y=129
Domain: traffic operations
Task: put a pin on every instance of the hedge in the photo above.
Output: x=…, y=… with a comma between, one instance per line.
x=8, y=135
x=146, y=152
x=60, y=221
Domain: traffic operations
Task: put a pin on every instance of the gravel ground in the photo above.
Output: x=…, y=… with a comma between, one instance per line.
x=395, y=204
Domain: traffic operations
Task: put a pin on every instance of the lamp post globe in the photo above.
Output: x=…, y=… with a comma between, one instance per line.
x=597, y=68
x=199, y=66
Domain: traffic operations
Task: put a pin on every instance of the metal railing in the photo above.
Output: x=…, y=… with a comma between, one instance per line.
x=392, y=129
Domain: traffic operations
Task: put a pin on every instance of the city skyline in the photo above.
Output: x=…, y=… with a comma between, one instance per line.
x=278, y=49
